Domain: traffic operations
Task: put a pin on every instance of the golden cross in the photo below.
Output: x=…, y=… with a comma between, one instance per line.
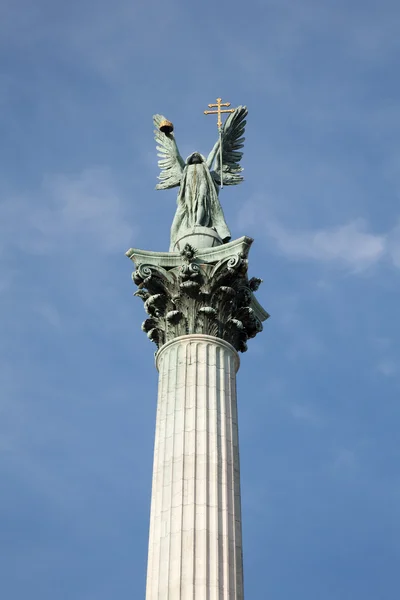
x=219, y=111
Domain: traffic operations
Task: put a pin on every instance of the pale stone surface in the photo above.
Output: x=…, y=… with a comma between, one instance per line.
x=199, y=237
x=204, y=255
x=195, y=542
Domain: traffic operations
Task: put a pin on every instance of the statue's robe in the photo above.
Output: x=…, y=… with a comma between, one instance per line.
x=198, y=204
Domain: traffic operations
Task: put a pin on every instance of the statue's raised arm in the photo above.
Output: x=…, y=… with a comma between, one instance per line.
x=171, y=163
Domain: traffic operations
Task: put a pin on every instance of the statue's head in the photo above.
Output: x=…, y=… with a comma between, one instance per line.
x=195, y=159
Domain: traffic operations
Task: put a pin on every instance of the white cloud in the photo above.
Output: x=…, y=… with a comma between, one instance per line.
x=349, y=244
x=305, y=413
x=68, y=212
x=388, y=367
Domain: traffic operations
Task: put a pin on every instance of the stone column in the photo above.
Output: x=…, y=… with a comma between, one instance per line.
x=195, y=543
x=201, y=311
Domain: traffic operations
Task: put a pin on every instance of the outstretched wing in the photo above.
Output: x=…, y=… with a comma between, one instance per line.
x=171, y=163
x=232, y=142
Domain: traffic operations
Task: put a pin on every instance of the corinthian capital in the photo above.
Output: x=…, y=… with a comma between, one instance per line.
x=206, y=291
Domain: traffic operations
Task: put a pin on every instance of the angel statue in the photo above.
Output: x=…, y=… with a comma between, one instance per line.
x=199, y=179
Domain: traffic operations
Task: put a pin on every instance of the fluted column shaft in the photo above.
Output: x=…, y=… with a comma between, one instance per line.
x=195, y=542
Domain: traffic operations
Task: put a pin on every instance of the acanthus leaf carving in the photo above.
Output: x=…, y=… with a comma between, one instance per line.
x=209, y=297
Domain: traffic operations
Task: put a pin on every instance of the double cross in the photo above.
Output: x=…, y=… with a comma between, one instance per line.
x=218, y=112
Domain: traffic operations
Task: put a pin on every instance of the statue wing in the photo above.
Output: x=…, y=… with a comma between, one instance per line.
x=232, y=142
x=171, y=163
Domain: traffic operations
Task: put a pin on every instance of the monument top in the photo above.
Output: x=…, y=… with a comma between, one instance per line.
x=201, y=286
x=199, y=179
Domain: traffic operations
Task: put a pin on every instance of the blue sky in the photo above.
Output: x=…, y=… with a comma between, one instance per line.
x=318, y=390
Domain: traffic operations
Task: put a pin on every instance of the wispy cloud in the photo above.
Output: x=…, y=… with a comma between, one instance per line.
x=388, y=367
x=306, y=413
x=66, y=213
x=349, y=244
